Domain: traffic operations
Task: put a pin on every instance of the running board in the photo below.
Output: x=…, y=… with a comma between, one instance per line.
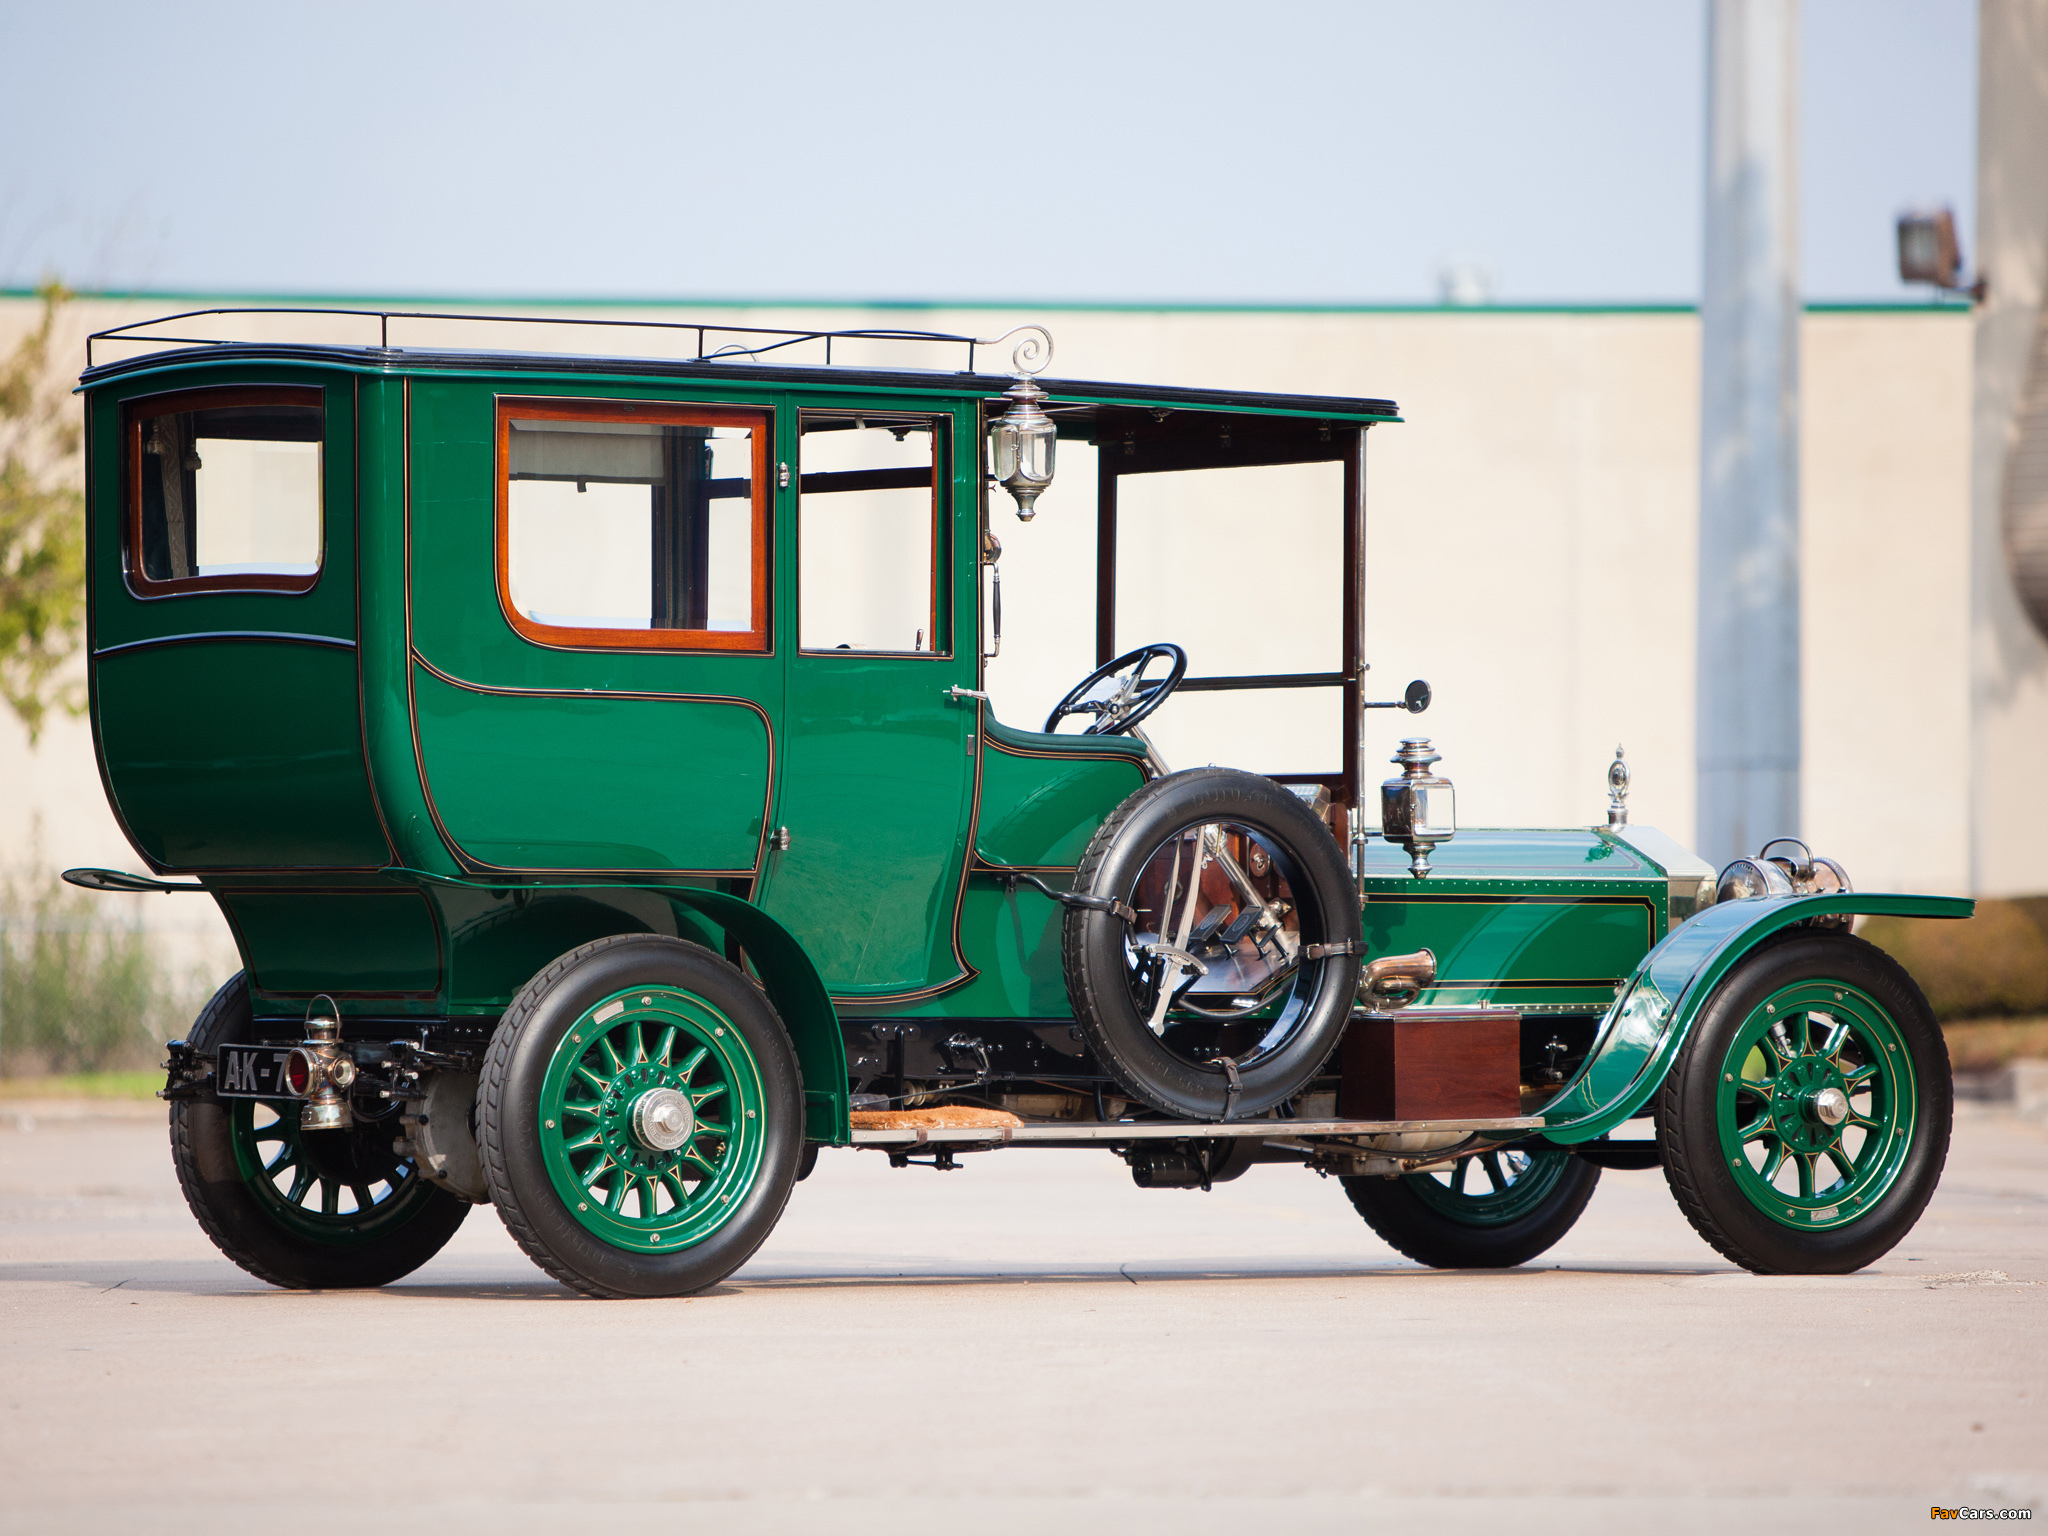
x=1172, y=1130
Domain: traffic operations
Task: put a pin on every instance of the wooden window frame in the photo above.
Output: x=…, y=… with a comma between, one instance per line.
x=942, y=450
x=135, y=412
x=759, y=419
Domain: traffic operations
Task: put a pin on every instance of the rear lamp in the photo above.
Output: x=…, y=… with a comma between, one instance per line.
x=308, y=1073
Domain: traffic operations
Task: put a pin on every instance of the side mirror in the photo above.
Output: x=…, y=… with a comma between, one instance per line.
x=1415, y=700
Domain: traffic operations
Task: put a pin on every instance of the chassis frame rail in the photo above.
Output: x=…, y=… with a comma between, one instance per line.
x=1169, y=1130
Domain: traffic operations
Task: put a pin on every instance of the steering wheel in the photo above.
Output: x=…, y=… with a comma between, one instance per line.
x=1118, y=693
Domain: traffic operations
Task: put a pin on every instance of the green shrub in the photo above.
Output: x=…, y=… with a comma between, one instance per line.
x=79, y=993
x=1993, y=965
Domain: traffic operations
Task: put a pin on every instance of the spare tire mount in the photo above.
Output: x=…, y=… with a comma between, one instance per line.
x=1232, y=982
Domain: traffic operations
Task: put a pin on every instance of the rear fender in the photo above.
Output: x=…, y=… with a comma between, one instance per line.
x=798, y=993
x=780, y=965
x=1653, y=1013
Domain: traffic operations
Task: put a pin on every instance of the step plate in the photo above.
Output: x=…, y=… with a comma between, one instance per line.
x=1172, y=1130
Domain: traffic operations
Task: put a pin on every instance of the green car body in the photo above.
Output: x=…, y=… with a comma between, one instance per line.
x=402, y=802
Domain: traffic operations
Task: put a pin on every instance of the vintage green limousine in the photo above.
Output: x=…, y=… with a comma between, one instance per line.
x=592, y=758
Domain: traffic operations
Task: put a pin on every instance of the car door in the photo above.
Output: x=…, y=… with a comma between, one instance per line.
x=879, y=755
x=594, y=677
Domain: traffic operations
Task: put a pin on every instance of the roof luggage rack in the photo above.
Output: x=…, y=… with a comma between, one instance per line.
x=708, y=349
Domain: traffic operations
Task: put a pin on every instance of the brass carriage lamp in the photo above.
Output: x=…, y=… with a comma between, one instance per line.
x=1023, y=438
x=1418, y=810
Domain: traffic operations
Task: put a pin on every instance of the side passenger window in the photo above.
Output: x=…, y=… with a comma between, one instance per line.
x=869, y=532
x=634, y=526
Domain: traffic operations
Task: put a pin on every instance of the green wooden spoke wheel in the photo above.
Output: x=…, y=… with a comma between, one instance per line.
x=1816, y=1104
x=1491, y=1210
x=1807, y=1121
x=640, y=1117
x=344, y=1188
x=303, y=1209
x=1492, y=1189
x=651, y=1118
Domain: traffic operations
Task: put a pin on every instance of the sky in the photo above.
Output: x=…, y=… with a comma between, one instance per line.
x=1119, y=151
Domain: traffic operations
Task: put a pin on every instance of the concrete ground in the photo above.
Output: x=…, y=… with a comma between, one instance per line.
x=1030, y=1343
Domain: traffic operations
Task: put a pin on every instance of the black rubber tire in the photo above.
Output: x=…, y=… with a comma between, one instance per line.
x=1693, y=1161
x=1326, y=899
x=1409, y=1225
x=230, y=1213
x=508, y=1137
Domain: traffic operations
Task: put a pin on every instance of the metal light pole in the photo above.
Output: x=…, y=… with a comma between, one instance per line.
x=1747, y=746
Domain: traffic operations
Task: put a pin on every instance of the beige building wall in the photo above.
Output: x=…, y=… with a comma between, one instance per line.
x=1532, y=553
x=1885, y=588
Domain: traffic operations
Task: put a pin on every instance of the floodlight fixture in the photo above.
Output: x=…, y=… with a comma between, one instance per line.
x=1929, y=252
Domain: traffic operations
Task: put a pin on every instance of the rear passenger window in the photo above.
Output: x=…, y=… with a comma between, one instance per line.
x=225, y=491
x=634, y=525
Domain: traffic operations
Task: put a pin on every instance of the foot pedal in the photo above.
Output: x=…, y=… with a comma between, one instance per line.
x=1205, y=929
x=1238, y=929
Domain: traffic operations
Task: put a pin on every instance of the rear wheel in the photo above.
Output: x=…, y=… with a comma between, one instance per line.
x=1806, y=1122
x=1492, y=1210
x=301, y=1209
x=641, y=1118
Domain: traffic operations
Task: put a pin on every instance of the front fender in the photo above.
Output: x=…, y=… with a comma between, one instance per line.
x=1654, y=1011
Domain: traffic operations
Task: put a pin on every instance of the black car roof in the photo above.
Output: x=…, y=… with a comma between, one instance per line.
x=1080, y=392
x=1082, y=403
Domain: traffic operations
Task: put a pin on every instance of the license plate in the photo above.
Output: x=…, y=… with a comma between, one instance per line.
x=251, y=1072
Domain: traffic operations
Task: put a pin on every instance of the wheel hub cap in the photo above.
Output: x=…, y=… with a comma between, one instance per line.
x=1830, y=1106
x=662, y=1119
x=1808, y=1104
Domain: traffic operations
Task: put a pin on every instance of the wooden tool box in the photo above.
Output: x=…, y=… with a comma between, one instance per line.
x=1432, y=1064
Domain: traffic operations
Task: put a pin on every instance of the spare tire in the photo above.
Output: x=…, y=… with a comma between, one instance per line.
x=1203, y=997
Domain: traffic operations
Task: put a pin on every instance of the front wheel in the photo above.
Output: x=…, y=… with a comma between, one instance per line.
x=1806, y=1123
x=641, y=1117
x=1492, y=1210
x=302, y=1209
